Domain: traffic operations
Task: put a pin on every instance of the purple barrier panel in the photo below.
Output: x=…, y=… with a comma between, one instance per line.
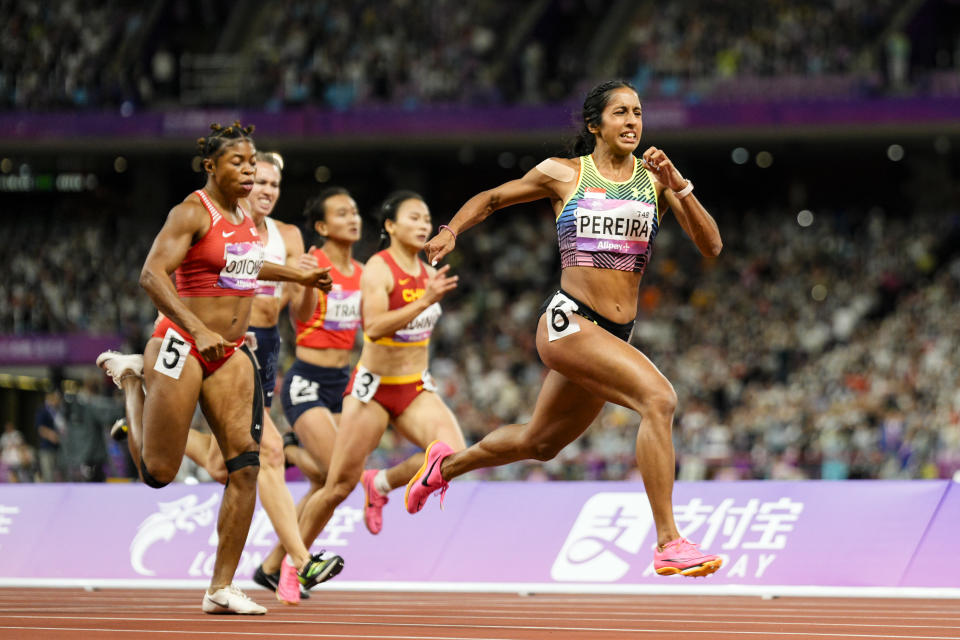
x=131, y=531
x=775, y=533
x=936, y=562
x=55, y=349
x=29, y=513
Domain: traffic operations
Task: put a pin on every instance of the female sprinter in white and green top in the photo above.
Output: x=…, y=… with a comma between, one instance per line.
x=608, y=205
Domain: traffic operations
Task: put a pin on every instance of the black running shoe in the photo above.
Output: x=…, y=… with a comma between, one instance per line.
x=119, y=430
x=266, y=580
x=320, y=569
x=304, y=594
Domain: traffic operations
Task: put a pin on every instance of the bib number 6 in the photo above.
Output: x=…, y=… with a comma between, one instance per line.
x=365, y=385
x=560, y=320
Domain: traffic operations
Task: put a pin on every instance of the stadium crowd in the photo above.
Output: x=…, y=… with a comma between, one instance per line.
x=820, y=351
x=294, y=52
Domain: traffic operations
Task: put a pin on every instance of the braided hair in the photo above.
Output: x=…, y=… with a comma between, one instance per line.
x=222, y=137
x=389, y=209
x=592, y=114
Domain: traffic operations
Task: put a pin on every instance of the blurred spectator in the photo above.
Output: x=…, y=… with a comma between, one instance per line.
x=51, y=428
x=16, y=455
x=88, y=415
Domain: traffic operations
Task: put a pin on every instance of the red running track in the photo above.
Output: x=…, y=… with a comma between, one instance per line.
x=116, y=614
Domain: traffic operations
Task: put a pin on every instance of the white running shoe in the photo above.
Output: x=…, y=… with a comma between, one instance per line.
x=231, y=600
x=118, y=366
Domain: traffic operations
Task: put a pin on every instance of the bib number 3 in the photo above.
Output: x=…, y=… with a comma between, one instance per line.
x=561, y=322
x=173, y=354
x=365, y=385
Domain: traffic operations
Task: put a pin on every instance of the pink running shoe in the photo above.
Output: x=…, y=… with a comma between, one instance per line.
x=288, y=587
x=373, y=506
x=427, y=480
x=682, y=556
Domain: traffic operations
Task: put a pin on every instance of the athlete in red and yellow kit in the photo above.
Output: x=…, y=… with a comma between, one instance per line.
x=400, y=297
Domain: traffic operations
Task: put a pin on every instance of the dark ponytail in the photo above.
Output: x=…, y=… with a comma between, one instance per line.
x=388, y=211
x=593, y=106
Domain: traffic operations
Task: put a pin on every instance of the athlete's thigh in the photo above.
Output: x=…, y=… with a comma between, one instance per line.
x=564, y=410
x=316, y=429
x=361, y=427
x=271, y=443
x=601, y=363
x=168, y=406
x=227, y=402
x=426, y=419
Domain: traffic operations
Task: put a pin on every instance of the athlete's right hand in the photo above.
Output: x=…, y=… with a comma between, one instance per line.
x=210, y=344
x=440, y=284
x=318, y=277
x=438, y=246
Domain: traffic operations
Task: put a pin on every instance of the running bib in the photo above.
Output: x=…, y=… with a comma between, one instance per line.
x=303, y=390
x=617, y=226
x=420, y=328
x=174, y=351
x=561, y=321
x=365, y=385
x=427, y=383
x=243, y=263
x=343, y=311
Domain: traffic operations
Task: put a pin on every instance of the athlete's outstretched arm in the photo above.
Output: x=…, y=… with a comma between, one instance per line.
x=300, y=300
x=318, y=277
x=534, y=185
x=376, y=283
x=692, y=216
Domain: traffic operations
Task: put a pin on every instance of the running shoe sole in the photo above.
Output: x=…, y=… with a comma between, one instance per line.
x=699, y=571
x=332, y=568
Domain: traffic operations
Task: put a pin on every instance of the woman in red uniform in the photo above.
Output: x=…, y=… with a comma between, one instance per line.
x=390, y=384
x=195, y=352
x=608, y=204
x=312, y=393
x=283, y=244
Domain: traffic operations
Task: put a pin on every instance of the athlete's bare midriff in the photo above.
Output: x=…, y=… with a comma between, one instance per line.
x=330, y=358
x=385, y=360
x=265, y=312
x=227, y=315
x=611, y=293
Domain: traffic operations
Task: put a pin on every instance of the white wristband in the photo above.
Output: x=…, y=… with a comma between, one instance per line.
x=687, y=190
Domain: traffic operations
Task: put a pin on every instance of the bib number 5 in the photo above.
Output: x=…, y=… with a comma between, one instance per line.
x=365, y=385
x=173, y=354
x=560, y=319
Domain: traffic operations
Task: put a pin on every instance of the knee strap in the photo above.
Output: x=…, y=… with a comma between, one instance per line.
x=245, y=459
x=256, y=423
x=148, y=479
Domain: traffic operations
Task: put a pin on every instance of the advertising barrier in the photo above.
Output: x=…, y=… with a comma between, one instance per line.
x=847, y=538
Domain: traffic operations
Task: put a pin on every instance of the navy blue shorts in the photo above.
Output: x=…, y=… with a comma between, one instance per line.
x=306, y=386
x=268, y=355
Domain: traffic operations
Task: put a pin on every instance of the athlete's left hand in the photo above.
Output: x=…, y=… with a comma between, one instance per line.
x=662, y=168
x=316, y=277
